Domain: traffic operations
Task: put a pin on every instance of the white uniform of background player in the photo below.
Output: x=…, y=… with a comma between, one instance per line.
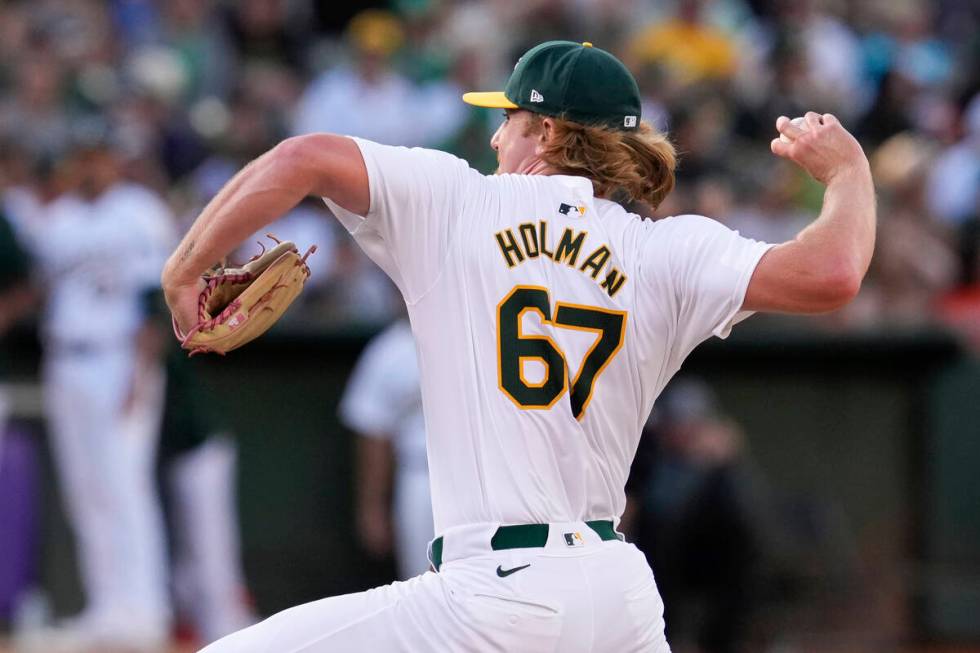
x=97, y=257
x=383, y=400
x=547, y=321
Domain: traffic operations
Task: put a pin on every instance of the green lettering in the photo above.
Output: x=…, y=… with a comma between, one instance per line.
x=596, y=260
x=568, y=247
x=510, y=247
x=530, y=237
x=614, y=281
x=543, y=239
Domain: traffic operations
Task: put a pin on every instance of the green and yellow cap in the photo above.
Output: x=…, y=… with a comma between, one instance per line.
x=574, y=81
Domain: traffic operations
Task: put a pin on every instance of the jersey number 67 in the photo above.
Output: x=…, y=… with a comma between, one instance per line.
x=514, y=349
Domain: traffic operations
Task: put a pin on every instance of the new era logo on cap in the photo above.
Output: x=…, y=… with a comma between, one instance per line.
x=536, y=97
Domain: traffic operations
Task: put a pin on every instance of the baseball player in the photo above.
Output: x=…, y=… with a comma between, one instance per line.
x=547, y=321
x=200, y=464
x=98, y=249
x=383, y=405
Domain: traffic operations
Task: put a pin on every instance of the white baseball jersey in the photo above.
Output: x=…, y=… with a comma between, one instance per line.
x=96, y=257
x=383, y=399
x=547, y=322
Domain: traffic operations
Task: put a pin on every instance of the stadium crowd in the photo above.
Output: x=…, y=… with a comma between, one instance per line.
x=190, y=90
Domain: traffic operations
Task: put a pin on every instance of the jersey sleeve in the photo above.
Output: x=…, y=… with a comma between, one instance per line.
x=367, y=406
x=709, y=267
x=417, y=197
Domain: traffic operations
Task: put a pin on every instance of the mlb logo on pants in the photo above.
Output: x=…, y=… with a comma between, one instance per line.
x=574, y=539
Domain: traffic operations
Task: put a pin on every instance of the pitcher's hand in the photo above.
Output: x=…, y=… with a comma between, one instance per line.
x=183, y=303
x=824, y=149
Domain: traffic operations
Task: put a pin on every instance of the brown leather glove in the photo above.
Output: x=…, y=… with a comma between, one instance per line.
x=238, y=305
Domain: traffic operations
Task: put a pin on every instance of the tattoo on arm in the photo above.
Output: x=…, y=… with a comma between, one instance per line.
x=186, y=254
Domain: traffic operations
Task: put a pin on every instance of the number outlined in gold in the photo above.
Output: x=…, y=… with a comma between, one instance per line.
x=608, y=324
x=545, y=319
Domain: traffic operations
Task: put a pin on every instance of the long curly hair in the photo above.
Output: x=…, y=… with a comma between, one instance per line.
x=638, y=163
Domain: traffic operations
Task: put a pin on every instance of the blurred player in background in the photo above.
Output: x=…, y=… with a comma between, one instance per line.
x=19, y=455
x=694, y=509
x=383, y=405
x=17, y=294
x=198, y=465
x=99, y=246
x=199, y=460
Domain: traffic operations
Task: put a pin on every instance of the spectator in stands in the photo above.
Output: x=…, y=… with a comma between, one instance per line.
x=34, y=115
x=196, y=37
x=954, y=179
x=270, y=32
x=365, y=96
x=690, y=50
x=831, y=54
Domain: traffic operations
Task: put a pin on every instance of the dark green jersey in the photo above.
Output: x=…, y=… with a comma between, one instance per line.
x=14, y=263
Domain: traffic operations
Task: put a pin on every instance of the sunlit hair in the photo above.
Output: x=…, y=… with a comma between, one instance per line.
x=639, y=163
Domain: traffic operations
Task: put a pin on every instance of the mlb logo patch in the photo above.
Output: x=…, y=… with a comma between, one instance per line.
x=574, y=539
x=569, y=209
x=629, y=121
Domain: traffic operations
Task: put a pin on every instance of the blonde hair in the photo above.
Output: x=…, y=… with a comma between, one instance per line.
x=638, y=163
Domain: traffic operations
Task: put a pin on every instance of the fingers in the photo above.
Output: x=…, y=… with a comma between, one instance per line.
x=780, y=148
x=813, y=120
x=792, y=130
x=787, y=129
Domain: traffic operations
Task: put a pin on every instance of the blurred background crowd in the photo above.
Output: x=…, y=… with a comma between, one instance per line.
x=168, y=99
x=191, y=90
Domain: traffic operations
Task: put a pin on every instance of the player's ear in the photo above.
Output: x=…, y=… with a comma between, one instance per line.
x=547, y=130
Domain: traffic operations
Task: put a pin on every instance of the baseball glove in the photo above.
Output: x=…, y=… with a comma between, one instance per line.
x=238, y=305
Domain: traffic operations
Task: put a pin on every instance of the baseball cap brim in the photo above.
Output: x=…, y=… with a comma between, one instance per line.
x=491, y=99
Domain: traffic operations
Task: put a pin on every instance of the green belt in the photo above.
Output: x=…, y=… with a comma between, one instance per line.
x=526, y=536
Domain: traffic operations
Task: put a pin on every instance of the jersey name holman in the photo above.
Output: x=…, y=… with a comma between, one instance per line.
x=532, y=242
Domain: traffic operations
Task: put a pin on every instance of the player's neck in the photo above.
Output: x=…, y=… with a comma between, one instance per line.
x=537, y=166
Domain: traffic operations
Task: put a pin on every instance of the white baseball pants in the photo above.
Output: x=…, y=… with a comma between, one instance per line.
x=585, y=596
x=105, y=462
x=208, y=581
